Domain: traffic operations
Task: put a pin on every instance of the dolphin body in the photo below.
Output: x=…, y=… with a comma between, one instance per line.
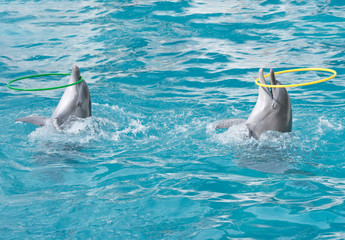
x=74, y=103
x=272, y=111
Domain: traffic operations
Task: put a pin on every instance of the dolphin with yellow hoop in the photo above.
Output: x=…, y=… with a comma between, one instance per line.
x=74, y=103
x=272, y=111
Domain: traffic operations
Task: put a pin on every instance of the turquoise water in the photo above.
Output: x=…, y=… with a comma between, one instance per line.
x=147, y=164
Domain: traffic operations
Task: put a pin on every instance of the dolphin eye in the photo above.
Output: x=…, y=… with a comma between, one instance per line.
x=275, y=105
x=79, y=103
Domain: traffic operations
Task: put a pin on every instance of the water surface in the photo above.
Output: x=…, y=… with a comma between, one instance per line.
x=148, y=164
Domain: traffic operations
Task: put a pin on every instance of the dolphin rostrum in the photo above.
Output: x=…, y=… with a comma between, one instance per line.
x=272, y=111
x=75, y=102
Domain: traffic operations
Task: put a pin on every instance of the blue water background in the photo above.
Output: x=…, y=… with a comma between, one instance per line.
x=148, y=164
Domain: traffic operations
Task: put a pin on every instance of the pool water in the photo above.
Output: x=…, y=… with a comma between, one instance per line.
x=148, y=164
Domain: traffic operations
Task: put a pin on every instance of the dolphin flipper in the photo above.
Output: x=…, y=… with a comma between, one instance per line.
x=37, y=120
x=229, y=123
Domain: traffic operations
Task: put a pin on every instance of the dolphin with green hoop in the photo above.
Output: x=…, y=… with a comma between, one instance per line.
x=74, y=103
x=272, y=111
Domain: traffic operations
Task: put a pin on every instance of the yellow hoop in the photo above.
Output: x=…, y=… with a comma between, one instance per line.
x=300, y=84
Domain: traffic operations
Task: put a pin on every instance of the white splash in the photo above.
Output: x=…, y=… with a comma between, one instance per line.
x=326, y=125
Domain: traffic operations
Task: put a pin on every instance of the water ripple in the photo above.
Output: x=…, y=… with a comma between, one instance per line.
x=148, y=164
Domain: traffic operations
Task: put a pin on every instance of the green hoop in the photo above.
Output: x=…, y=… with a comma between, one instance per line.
x=42, y=75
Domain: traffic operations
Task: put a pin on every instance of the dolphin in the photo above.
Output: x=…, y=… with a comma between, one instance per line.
x=74, y=103
x=272, y=111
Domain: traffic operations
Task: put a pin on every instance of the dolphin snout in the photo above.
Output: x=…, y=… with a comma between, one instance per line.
x=75, y=69
x=75, y=75
x=262, y=80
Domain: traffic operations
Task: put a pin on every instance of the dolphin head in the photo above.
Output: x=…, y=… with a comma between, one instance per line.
x=83, y=103
x=75, y=102
x=272, y=111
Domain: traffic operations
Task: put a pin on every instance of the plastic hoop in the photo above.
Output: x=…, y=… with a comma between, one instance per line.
x=299, y=84
x=42, y=75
